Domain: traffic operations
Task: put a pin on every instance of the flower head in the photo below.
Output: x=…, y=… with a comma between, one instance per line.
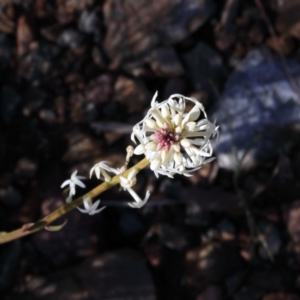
x=90, y=208
x=175, y=141
x=72, y=182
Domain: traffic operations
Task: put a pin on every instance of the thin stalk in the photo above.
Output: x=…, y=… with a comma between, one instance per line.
x=41, y=224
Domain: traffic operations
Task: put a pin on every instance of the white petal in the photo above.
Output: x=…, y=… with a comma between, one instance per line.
x=106, y=176
x=65, y=183
x=151, y=123
x=176, y=147
x=87, y=203
x=132, y=174
x=95, y=205
x=185, y=143
x=140, y=149
x=79, y=183
x=190, y=126
x=69, y=199
x=134, y=195
x=165, y=112
x=123, y=181
x=98, y=210
x=194, y=114
x=74, y=174
x=82, y=210
x=178, y=158
x=97, y=171
x=177, y=119
x=151, y=146
x=155, y=164
x=72, y=189
x=153, y=99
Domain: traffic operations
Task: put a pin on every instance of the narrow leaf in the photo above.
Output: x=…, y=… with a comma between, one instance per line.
x=56, y=227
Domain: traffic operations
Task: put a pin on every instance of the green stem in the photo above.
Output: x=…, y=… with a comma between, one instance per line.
x=41, y=224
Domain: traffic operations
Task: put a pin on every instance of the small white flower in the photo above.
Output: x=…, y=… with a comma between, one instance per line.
x=127, y=183
x=172, y=140
x=72, y=182
x=139, y=202
x=101, y=168
x=90, y=208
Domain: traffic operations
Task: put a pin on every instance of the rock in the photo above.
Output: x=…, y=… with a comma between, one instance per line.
x=24, y=35
x=280, y=296
x=81, y=147
x=272, y=280
x=212, y=292
x=132, y=93
x=211, y=263
x=288, y=18
x=272, y=237
x=172, y=237
x=259, y=101
x=148, y=25
x=34, y=100
x=174, y=86
x=10, y=256
x=100, y=89
x=116, y=275
x=70, y=38
x=233, y=282
x=164, y=62
x=200, y=203
x=282, y=44
x=90, y=23
x=9, y=104
x=203, y=66
x=248, y=293
x=25, y=169
x=225, y=30
x=11, y=197
x=6, y=49
x=293, y=221
x=226, y=230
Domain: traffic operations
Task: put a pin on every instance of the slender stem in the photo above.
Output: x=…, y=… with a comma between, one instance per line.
x=16, y=234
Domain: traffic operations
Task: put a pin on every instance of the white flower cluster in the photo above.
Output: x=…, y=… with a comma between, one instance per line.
x=126, y=183
x=90, y=208
x=175, y=141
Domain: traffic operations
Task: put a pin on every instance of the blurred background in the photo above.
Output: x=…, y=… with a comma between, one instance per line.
x=77, y=75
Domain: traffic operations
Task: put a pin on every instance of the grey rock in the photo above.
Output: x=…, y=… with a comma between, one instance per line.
x=212, y=263
x=258, y=101
x=165, y=63
x=203, y=66
x=9, y=104
x=248, y=293
x=11, y=197
x=89, y=22
x=136, y=27
x=116, y=275
x=70, y=38
x=272, y=239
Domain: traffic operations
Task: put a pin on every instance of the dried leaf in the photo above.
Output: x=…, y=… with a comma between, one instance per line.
x=27, y=226
x=56, y=227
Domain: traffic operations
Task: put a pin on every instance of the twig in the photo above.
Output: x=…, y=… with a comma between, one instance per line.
x=41, y=224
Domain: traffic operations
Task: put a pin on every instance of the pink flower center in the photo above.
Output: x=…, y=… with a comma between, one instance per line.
x=165, y=138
